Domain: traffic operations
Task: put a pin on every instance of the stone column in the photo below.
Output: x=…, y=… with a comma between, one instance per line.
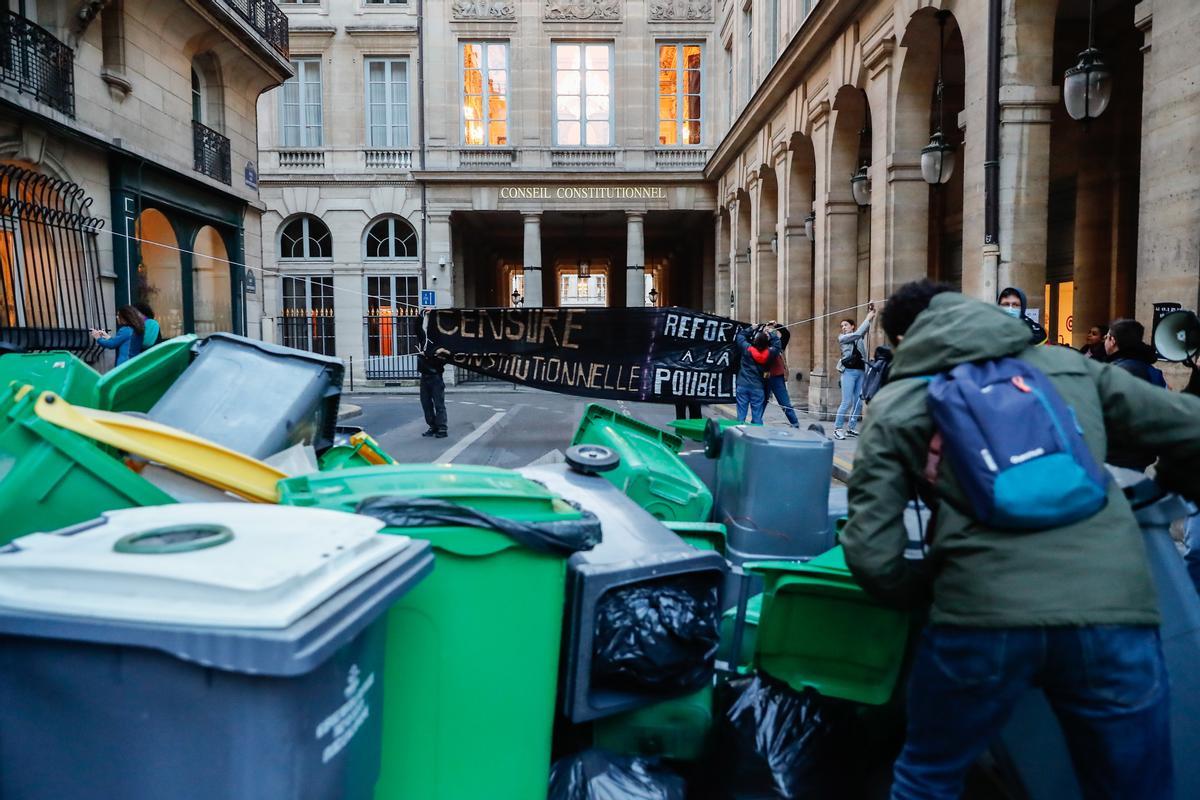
x=532, y=260
x=1094, y=254
x=721, y=289
x=442, y=279
x=635, y=261
x=1024, y=192
x=822, y=367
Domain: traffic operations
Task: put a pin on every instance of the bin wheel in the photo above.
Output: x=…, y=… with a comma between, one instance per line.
x=589, y=459
x=712, y=438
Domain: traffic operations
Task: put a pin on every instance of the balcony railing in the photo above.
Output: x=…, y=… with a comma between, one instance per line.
x=302, y=159
x=680, y=158
x=485, y=159
x=388, y=159
x=212, y=153
x=267, y=19
x=36, y=63
x=583, y=158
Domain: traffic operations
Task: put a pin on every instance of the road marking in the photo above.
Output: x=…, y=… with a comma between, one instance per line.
x=553, y=457
x=470, y=439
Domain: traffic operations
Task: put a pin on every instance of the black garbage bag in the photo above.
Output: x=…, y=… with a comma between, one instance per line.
x=598, y=775
x=659, y=635
x=788, y=744
x=562, y=537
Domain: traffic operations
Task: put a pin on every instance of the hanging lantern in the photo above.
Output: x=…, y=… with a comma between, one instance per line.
x=810, y=224
x=1087, y=87
x=937, y=160
x=860, y=187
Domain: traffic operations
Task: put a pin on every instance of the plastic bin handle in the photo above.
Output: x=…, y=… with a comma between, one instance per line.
x=180, y=451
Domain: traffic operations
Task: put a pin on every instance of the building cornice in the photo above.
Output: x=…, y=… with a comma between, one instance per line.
x=689, y=177
x=380, y=30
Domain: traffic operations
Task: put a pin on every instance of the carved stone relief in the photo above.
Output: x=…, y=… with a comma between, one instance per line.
x=681, y=10
x=583, y=10
x=483, y=10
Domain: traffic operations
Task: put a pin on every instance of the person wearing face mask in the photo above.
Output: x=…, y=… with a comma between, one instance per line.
x=1013, y=301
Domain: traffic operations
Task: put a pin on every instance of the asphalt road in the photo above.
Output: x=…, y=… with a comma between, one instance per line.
x=500, y=427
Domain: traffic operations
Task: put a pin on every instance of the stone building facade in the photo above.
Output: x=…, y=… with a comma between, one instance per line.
x=594, y=152
x=127, y=163
x=1094, y=221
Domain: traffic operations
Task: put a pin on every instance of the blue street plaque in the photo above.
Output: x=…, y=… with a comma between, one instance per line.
x=251, y=175
x=428, y=298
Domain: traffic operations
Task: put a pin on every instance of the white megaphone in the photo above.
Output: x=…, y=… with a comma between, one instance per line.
x=1177, y=336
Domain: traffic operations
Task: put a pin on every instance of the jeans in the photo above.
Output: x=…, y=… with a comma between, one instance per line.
x=1106, y=684
x=433, y=402
x=752, y=398
x=851, y=398
x=777, y=386
x=1191, y=544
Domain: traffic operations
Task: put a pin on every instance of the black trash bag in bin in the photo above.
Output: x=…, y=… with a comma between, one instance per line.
x=659, y=635
x=562, y=537
x=781, y=743
x=598, y=775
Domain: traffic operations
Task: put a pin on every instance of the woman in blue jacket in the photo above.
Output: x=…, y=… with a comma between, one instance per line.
x=127, y=341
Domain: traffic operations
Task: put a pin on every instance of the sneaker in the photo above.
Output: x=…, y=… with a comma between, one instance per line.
x=429, y=432
x=440, y=435
x=837, y=433
x=852, y=433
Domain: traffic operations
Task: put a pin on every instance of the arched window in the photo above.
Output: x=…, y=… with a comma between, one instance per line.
x=391, y=237
x=305, y=237
x=208, y=102
x=197, y=97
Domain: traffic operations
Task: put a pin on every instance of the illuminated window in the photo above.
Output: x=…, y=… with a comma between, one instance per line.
x=300, y=105
x=387, y=102
x=583, y=94
x=485, y=93
x=307, y=322
x=679, y=94
x=591, y=290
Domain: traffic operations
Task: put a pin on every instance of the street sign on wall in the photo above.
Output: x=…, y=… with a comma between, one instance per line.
x=428, y=298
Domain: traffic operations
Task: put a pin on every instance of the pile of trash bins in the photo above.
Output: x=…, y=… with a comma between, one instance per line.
x=208, y=588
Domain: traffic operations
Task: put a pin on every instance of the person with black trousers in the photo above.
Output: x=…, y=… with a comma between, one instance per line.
x=433, y=394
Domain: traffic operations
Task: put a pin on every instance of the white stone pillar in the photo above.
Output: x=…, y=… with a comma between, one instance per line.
x=532, y=260
x=635, y=261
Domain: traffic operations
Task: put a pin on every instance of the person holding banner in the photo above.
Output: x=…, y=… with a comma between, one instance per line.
x=433, y=394
x=754, y=371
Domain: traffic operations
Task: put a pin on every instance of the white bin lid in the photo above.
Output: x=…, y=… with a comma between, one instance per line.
x=234, y=565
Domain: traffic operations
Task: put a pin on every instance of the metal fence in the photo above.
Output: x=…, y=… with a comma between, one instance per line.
x=211, y=152
x=36, y=63
x=464, y=375
x=266, y=18
x=391, y=343
x=49, y=264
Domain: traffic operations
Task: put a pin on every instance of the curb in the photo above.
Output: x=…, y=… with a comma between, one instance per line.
x=842, y=467
x=348, y=411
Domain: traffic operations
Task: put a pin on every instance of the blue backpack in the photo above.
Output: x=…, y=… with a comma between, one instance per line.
x=1017, y=449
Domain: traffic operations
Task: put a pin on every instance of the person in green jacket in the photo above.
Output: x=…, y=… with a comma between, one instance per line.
x=1071, y=610
x=152, y=333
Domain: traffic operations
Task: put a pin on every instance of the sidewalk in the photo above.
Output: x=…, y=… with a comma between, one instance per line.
x=843, y=449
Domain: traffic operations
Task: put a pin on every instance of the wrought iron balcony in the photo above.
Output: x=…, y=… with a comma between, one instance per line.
x=35, y=63
x=267, y=19
x=212, y=153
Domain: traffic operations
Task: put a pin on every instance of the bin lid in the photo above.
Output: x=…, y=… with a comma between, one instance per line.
x=231, y=565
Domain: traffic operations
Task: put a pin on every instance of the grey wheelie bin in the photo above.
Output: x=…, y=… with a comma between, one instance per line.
x=254, y=397
x=642, y=613
x=193, y=652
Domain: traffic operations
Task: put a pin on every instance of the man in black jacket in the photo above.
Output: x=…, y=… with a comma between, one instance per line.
x=433, y=394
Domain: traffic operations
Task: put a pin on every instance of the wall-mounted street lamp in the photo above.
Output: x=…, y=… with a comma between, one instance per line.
x=653, y=295
x=775, y=244
x=584, y=265
x=937, y=157
x=1087, y=86
x=517, y=299
x=810, y=224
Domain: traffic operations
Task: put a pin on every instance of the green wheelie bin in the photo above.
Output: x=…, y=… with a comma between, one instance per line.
x=56, y=371
x=473, y=651
x=51, y=478
x=651, y=473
